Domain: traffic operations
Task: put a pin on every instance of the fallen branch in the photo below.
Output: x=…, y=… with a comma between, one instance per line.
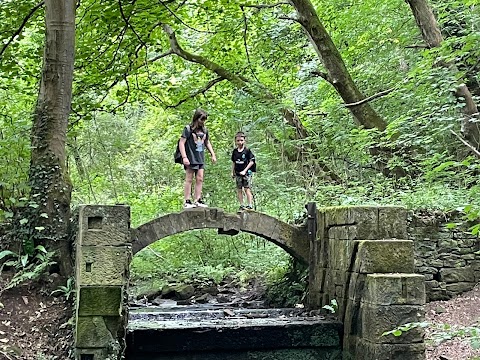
x=155, y=253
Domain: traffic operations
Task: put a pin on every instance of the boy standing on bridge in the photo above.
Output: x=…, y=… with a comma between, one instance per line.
x=192, y=146
x=243, y=165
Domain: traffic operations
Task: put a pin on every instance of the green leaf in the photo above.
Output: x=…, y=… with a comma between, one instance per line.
x=23, y=221
x=39, y=228
x=41, y=248
x=6, y=253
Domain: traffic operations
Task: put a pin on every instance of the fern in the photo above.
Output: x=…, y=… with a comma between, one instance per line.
x=32, y=271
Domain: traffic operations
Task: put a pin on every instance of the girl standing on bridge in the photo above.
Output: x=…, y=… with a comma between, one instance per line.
x=192, y=146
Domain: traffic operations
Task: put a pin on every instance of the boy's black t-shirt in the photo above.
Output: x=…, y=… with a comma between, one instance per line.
x=242, y=158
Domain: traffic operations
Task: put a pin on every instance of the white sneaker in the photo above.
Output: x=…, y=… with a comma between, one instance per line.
x=200, y=203
x=188, y=205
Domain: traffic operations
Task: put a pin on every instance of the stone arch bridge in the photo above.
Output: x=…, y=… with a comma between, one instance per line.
x=359, y=256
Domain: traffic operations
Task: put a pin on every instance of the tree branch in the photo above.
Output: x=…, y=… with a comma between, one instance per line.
x=181, y=21
x=245, y=31
x=217, y=69
x=19, y=30
x=370, y=98
x=321, y=74
x=165, y=54
x=475, y=151
x=127, y=21
x=289, y=19
x=203, y=90
x=266, y=6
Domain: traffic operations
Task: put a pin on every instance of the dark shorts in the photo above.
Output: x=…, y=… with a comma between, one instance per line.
x=243, y=181
x=194, y=167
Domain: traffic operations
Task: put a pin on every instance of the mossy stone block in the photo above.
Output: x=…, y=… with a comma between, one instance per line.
x=395, y=289
x=377, y=319
x=102, y=265
x=369, y=350
x=340, y=254
x=385, y=256
x=104, y=225
x=392, y=222
x=101, y=300
x=92, y=332
x=346, y=232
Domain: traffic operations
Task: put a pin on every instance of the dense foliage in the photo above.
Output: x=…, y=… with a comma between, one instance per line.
x=248, y=64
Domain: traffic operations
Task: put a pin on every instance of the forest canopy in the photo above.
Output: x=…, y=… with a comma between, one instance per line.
x=343, y=102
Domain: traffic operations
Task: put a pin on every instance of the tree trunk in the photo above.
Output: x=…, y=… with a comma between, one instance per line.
x=50, y=186
x=426, y=22
x=337, y=73
x=431, y=34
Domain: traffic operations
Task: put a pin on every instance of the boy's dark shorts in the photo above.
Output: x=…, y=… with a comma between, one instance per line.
x=243, y=181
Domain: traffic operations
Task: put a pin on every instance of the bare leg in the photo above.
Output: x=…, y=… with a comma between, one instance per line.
x=240, y=196
x=187, y=187
x=248, y=192
x=198, y=185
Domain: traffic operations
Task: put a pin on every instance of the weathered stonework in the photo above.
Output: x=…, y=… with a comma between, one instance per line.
x=363, y=257
x=448, y=258
x=292, y=239
x=103, y=257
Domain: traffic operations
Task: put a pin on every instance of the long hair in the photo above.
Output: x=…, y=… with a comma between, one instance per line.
x=197, y=116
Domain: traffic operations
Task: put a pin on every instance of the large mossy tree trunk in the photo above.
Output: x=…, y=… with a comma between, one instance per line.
x=431, y=34
x=337, y=73
x=50, y=186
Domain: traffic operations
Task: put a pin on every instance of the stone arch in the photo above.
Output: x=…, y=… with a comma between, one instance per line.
x=292, y=239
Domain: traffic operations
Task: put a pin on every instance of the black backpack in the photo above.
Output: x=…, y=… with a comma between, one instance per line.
x=177, y=157
x=253, y=168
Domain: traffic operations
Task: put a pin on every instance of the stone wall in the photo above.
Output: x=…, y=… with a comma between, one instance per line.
x=448, y=258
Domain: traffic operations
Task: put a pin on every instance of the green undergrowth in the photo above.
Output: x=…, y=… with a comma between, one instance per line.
x=204, y=256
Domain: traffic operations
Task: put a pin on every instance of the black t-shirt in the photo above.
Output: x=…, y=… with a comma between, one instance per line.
x=195, y=144
x=242, y=158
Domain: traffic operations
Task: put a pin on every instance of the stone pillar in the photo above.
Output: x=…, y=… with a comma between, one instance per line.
x=359, y=250
x=384, y=293
x=103, y=255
